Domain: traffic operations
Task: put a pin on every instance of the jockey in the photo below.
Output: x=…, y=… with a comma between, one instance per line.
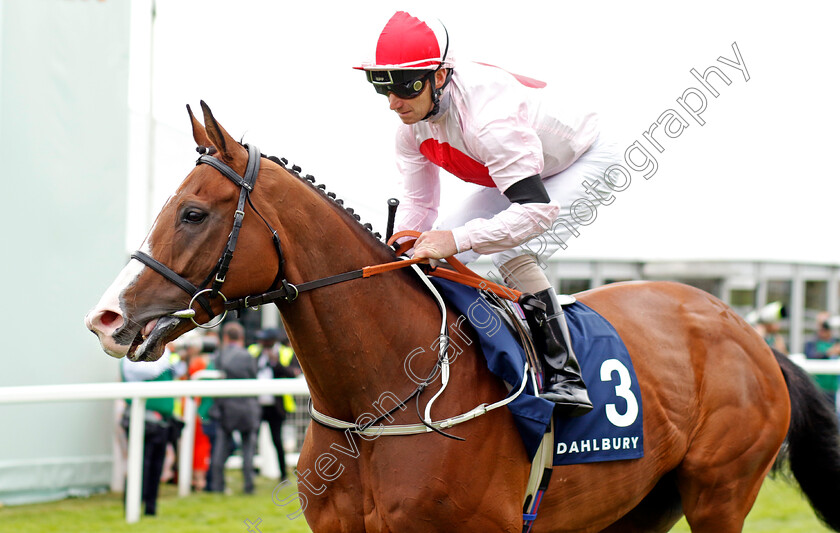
x=489, y=127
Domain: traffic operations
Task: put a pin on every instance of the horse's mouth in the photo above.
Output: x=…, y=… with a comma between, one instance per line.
x=151, y=339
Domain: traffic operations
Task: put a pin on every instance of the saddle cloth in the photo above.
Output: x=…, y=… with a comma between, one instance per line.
x=612, y=430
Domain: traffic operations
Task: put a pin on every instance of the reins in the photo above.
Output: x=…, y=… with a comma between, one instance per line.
x=426, y=423
x=288, y=291
x=461, y=274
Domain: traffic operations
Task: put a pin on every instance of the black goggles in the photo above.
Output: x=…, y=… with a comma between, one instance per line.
x=403, y=83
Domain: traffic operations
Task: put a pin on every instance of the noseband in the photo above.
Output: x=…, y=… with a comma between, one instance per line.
x=217, y=276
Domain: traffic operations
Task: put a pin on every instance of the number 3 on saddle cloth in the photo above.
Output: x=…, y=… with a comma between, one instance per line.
x=612, y=431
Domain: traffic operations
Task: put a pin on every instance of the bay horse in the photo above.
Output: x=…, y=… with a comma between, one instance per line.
x=718, y=403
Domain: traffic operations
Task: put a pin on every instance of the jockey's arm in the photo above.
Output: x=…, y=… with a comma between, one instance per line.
x=438, y=244
x=529, y=214
x=513, y=154
x=420, y=181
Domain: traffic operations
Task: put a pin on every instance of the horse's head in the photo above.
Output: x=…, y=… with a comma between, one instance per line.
x=175, y=280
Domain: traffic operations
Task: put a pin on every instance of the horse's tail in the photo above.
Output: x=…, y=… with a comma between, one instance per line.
x=812, y=446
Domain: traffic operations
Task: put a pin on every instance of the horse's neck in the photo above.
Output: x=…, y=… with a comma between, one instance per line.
x=353, y=338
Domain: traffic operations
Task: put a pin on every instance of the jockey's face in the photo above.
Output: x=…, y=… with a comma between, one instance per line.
x=412, y=110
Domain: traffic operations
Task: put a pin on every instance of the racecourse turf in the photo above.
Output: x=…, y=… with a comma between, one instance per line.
x=780, y=509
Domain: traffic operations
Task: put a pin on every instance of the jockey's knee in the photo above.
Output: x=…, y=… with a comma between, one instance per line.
x=524, y=274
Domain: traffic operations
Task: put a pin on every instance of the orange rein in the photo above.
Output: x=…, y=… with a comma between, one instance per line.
x=461, y=274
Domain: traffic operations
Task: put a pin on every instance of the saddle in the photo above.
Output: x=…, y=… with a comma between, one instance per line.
x=517, y=328
x=611, y=432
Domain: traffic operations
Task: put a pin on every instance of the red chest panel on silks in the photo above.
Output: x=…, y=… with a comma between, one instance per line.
x=456, y=162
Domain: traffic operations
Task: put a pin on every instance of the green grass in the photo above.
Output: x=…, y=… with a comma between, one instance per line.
x=198, y=513
x=780, y=509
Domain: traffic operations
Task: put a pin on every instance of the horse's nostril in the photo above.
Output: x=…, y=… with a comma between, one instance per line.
x=109, y=318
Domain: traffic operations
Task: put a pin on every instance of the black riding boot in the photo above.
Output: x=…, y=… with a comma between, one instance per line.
x=563, y=383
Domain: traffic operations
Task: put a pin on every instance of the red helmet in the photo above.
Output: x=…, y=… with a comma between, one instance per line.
x=408, y=43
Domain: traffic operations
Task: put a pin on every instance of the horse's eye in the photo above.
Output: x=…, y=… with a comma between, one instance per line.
x=193, y=216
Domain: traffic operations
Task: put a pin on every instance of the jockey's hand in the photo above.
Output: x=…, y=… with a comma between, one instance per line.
x=435, y=244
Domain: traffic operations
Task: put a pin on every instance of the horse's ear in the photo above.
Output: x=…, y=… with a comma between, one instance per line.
x=199, y=135
x=224, y=143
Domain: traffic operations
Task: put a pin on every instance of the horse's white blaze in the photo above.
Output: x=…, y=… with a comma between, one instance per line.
x=101, y=319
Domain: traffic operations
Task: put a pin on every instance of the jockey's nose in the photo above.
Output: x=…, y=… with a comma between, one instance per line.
x=395, y=101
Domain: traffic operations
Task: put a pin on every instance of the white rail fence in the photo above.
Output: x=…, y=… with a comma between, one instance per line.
x=138, y=392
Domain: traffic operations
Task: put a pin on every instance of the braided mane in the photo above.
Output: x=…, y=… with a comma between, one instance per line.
x=321, y=188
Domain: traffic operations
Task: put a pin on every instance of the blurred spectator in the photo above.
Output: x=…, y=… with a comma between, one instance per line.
x=275, y=359
x=170, y=463
x=207, y=361
x=211, y=341
x=191, y=345
x=240, y=414
x=177, y=360
x=824, y=345
x=767, y=322
x=161, y=427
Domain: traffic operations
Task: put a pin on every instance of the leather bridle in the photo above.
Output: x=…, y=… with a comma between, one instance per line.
x=217, y=276
x=285, y=290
